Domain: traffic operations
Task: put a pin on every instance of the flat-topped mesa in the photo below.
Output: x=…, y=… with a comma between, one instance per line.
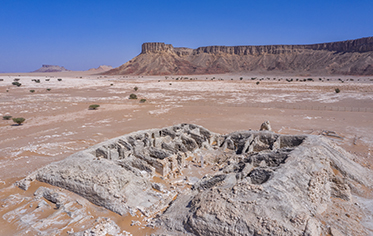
x=358, y=45
x=156, y=48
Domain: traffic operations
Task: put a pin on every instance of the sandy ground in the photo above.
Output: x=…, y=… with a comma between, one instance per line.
x=58, y=122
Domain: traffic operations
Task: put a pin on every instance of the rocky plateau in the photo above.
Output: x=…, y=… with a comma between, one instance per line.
x=51, y=68
x=351, y=57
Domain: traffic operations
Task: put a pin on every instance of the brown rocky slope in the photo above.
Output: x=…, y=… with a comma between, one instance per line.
x=352, y=57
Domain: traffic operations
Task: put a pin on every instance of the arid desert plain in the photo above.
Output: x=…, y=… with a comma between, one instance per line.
x=58, y=123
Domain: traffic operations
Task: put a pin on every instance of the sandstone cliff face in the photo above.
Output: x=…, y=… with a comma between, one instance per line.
x=353, y=57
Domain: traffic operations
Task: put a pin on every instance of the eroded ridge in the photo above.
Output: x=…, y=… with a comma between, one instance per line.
x=254, y=182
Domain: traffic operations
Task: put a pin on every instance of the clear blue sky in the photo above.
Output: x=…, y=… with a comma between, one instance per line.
x=84, y=34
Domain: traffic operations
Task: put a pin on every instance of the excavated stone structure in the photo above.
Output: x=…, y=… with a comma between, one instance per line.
x=264, y=183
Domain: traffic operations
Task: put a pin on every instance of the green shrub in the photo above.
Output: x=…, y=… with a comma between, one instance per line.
x=133, y=96
x=93, y=107
x=7, y=117
x=135, y=88
x=142, y=100
x=32, y=91
x=337, y=90
x=17, y=83
x=19, y=120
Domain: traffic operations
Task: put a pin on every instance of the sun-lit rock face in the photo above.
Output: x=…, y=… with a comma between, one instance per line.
x=258, y=181
x=353, y=57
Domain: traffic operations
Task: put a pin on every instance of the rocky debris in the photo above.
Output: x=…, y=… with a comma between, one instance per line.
x=51, y=68
x=49, y=211
x=264, y=183
x=103, y=227
x=266, y=126
x=353, y=57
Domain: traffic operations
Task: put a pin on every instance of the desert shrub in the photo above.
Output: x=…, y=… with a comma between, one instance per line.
x=170, y=83
x=61, y=79
x=93, y=107
x=17, y=84
x=16, y=79
x=241, y=78
x=257, y=82
x=37, y=80
x=337, y=90
x=133, y=96
x=111, y=84
x=48, y=89
x=47, y=79
x=135, y=88
x=142, y=100
x=7, y=117
x=253, y=78
x=32, y=91
x=19, y=120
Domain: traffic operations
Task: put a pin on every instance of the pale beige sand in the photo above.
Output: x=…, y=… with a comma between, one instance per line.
x=58, y=122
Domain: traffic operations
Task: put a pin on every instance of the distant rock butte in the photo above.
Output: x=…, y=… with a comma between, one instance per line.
x=101, y=68
x=51, y=68
x=352, y=57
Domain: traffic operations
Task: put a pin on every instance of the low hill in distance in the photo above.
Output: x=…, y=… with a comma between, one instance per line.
x=351, y=57
x=51, y=68
x=101, y=68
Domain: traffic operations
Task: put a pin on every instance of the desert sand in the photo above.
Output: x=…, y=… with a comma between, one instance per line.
x=59, y=123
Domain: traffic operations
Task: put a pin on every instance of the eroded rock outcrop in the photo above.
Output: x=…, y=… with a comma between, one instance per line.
x=352, y=57
x=263, y=183
x=51, y=68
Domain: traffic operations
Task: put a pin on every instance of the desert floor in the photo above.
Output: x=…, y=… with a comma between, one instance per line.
x=59, y=123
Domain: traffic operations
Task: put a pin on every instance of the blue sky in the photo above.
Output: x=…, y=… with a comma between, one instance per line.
x=80, y=35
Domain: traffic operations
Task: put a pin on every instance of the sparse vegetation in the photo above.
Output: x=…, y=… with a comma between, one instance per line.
x=18, y=84
x=19, y=120
x=257, y=82
x=93, y=107
x=61, y=79
x=48, y=89
x=111, y=84
x=135, y=88
x=7, y=117
x=133, y=96
x=32, y=91
x=142, y=100
x=241, y=78
x=337, y=90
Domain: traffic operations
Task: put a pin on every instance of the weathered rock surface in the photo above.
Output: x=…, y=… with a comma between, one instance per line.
x=275, y=185
x=264, y=183
x=354, y=57
x=51, y=68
